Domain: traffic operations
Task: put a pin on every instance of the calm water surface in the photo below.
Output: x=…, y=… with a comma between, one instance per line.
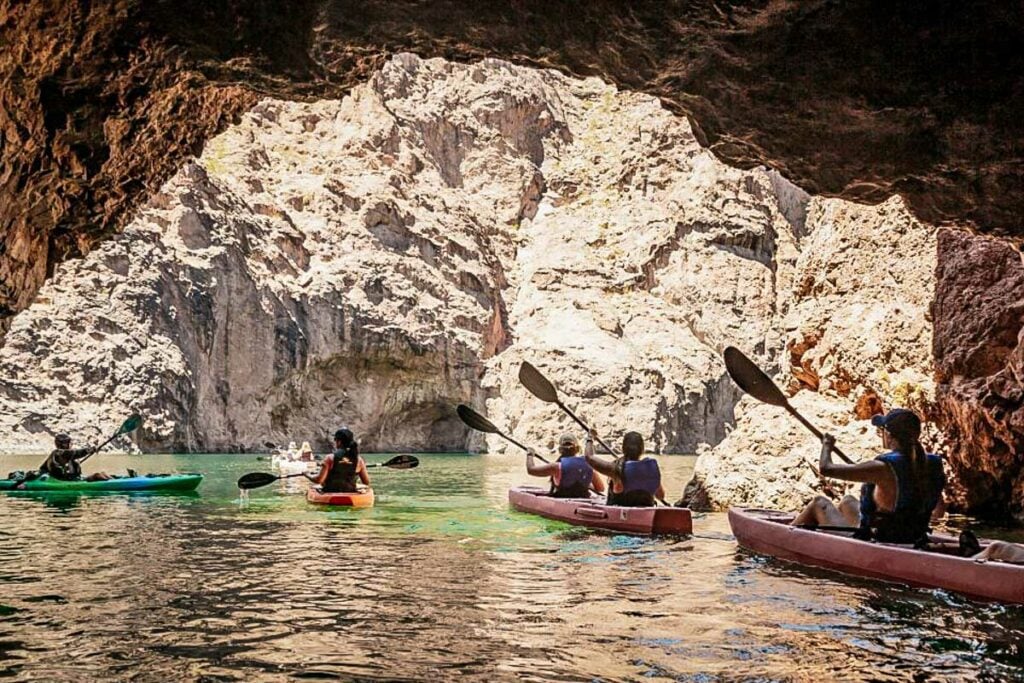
x=440, y=581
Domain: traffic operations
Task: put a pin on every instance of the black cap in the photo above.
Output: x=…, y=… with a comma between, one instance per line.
x=899, y=421
x=62, y=437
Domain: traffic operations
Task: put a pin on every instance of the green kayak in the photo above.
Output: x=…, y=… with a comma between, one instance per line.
x=152, y=482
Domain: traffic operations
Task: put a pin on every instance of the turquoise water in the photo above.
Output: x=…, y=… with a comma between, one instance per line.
x=440, y=580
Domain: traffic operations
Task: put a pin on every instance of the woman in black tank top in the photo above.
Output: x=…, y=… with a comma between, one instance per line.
x=342, y=471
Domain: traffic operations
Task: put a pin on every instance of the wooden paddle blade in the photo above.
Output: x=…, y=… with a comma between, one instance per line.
x=475, y=420
x=131, y=424
x=402, y=462
x=254, y=480
x=752, y=379
x=537, y=384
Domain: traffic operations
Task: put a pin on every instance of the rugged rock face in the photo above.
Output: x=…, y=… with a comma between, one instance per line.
x=858, y=340
x=979, y=316
x=101, y=102
x=361, y=261
x=379, y=259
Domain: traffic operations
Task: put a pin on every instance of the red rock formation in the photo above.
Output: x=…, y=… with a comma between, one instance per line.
x=979, y=353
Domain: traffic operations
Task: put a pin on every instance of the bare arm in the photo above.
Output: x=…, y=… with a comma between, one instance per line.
x=364, y=476
x=597, y=483
x=320, y=477
x=539, y=469
x=871, y=472
x=600, y=464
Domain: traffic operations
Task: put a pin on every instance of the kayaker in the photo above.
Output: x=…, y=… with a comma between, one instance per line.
x=293, y=451
x=902, y=488
x=306, y=452
x=62, y=463
x=571, y=476
x=635, y=481
x=341, y=471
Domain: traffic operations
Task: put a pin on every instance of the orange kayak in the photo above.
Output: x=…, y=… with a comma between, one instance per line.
x=360, y=499
x=768, y=532
x=593, y=513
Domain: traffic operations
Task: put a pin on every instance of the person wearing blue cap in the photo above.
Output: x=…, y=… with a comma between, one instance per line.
x=342, y=471
x=902, y=488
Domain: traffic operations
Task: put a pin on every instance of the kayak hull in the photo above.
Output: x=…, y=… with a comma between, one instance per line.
x=590, y=512
x=170, y=482
x=768, y=532
x=361, y=499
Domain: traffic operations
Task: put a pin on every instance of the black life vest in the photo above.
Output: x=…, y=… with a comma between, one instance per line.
x=62, y=463
x=343, y=476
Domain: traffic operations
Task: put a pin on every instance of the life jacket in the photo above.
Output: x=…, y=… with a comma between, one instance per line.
x=62, y=463
x=910, y=518
x=640, y=482
x=575, y=476
x=342, y=477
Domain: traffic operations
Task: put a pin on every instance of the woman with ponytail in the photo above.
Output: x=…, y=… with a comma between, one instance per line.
x=342, y=471
x=902, y=488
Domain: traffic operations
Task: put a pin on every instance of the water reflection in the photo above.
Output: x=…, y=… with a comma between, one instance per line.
x=441, y=579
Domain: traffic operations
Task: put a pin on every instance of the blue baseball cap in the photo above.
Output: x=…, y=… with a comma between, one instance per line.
x=899, y=421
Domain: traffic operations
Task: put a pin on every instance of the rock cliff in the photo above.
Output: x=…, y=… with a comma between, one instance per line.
x=380, y=258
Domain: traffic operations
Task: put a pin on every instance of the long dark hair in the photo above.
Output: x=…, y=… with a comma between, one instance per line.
x=349, y=448
x=909, y=445
x=632, y=449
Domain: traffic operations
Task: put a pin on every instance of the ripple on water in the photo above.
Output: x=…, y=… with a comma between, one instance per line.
x=441, y=578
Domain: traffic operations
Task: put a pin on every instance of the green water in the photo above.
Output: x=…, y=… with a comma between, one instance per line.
x=439, y=581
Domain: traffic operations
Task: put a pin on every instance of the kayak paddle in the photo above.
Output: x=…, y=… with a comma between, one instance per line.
x=129, y=425
x=752, y=380
x=541, y=387
x=255, y=480
x=475, y=420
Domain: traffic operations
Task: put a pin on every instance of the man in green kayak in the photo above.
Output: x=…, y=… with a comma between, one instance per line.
x=63, y=461
x=342, y=471
x=902, y=489
x=634, y=481
x=571, y=476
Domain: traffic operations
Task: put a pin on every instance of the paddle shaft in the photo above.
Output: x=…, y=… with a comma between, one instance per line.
x=98, y=448
x=814, y=430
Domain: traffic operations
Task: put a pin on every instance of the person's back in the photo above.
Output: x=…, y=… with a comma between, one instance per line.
x=641, y=480
x=571, y=475
x=575, y=478
x=635, y=480
x=342, y=471
x=62, y=463
x=909, y=518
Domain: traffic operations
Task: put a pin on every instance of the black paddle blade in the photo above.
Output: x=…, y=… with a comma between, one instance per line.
x=403, y=462
x=254, y=480
x=475, y=420
x=537, y=384
x=131, y=424
x=752, y=379
x=270, y=444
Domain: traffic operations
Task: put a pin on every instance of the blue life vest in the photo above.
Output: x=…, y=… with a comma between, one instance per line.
x=575, y=475
x=640, y=482
x=910, y=518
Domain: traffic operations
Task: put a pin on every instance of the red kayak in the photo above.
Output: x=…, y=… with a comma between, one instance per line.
x=768, y=532
x=591, y=512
